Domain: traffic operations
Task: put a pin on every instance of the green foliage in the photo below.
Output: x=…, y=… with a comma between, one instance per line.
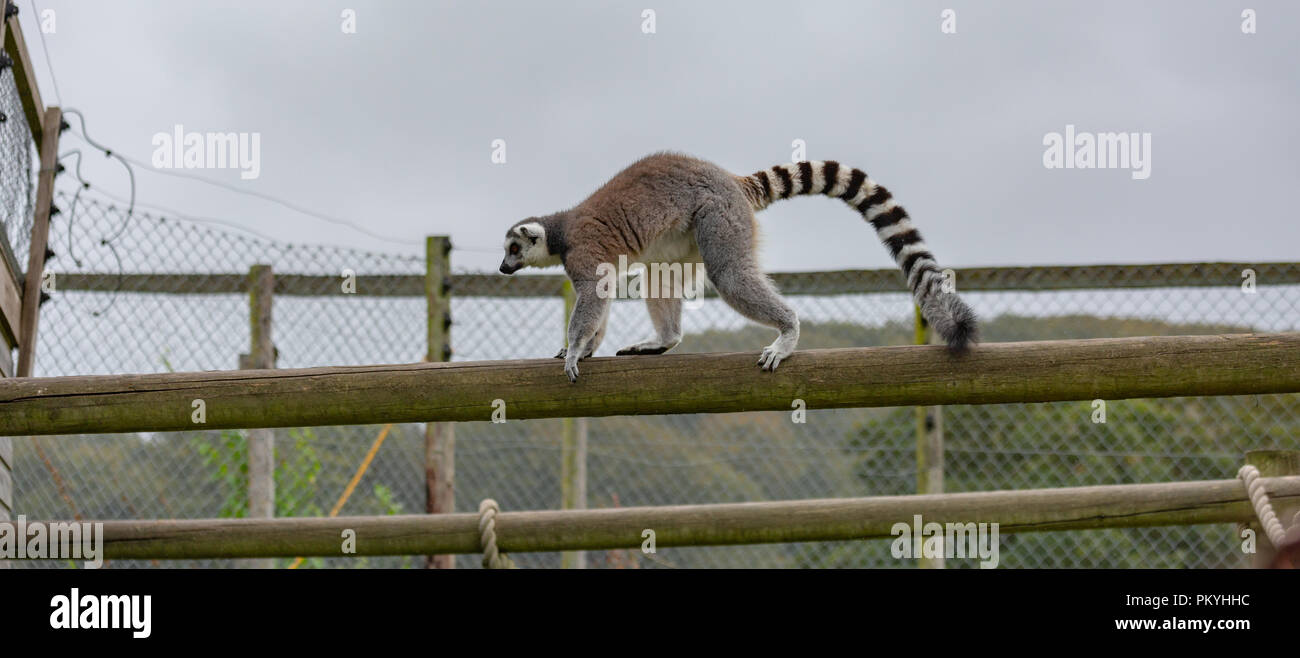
x=296, y=468
x=226, y=461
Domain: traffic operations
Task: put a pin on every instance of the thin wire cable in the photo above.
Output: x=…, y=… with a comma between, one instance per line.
x=109, y=153
x=231, y=188
x=36, y=16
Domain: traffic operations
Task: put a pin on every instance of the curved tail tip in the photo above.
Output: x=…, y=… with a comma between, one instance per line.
x=953, y=320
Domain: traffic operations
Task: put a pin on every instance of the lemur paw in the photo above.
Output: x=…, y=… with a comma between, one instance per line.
x=571, y=369
x=773, y=355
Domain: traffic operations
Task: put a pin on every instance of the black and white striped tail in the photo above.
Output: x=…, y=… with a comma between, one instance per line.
x=949, y=316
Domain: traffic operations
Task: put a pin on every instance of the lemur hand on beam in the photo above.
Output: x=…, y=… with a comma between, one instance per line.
x=670, y=208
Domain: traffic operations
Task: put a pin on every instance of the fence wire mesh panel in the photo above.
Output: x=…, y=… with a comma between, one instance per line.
x=149, y=294
x=16, y=188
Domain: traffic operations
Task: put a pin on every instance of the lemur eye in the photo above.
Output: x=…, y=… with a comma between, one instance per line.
x=514, y=249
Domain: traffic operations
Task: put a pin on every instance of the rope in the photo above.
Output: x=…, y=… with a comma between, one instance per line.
x=356, y=477
x=487, y=530
x=1263, y=508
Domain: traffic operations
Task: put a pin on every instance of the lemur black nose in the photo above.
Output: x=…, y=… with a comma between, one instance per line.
x=505, y=269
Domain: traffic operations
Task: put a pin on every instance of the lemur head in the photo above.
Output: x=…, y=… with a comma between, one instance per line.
x=526, y=247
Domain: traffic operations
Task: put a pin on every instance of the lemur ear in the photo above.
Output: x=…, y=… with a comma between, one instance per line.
x=523, y=230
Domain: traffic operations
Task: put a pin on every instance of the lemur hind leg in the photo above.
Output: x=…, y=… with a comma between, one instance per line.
x=666, y=316
x=726, y=237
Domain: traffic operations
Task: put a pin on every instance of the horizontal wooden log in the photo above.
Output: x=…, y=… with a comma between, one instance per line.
x=1036, y=510
x=1111, y=368
x=843, y=282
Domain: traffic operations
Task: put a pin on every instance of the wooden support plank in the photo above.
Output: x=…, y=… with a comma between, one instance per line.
x=10, y=312
x=439, y=438
x=261, y=441
x=11, y=305
x=1035, y=510
x=31, y=306
x=6, y=361
x=38, y=117
x=841, y=282
x=6, y=489
x=929, y=440
x=573, y=452
x=1106, y=368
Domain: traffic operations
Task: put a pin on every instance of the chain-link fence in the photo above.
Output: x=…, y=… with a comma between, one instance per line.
x=16, y=196
x=148, y=294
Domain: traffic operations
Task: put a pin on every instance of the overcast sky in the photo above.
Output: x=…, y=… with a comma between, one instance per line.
x=392, y=126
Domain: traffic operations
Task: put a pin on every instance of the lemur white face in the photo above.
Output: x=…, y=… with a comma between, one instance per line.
x=525, y=247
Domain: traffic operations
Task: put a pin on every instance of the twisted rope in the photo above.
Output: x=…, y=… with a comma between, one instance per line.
x=487, y=533
x=1263, y=508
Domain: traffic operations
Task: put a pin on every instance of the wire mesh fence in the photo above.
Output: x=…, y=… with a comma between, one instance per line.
x=146, y=293
x=16, y=196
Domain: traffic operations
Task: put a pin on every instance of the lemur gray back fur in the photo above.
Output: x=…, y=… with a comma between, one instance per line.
x=670, y=208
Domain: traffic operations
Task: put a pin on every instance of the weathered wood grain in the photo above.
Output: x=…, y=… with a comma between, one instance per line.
x=439, y=438
x=1036, y=510
x=1111, y=368
x=11, y=304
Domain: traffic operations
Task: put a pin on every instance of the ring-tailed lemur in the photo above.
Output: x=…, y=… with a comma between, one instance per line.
x=669, y=208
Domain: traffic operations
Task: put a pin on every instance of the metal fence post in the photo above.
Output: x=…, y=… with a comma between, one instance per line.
x=573, y=455
x=261, y=442
x=439, y=438
x=929, y=442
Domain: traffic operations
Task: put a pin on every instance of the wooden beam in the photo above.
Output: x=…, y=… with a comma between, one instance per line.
x=6, y=490
x=11, y=304
x=843, y=282
x=573, y=450
x=10, y=309
x=261, y=441
x=1035, y=510
x=1107, y=368
x=25, y=80
x=31, y=308
x=929, y=438
x=439, y=438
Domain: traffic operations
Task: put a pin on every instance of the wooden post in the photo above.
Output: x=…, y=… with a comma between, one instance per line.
x=31, y=308
x=1273, y=463
x=20, y=301
x=261, y=441
x=573, y=454
x=929, y=442
x=439, y=438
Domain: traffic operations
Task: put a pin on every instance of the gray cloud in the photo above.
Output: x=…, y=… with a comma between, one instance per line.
x=392, y=126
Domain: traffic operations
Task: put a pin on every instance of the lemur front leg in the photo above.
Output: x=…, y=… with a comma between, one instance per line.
x=666, y=316
x=585, y=326
x=595, y=341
